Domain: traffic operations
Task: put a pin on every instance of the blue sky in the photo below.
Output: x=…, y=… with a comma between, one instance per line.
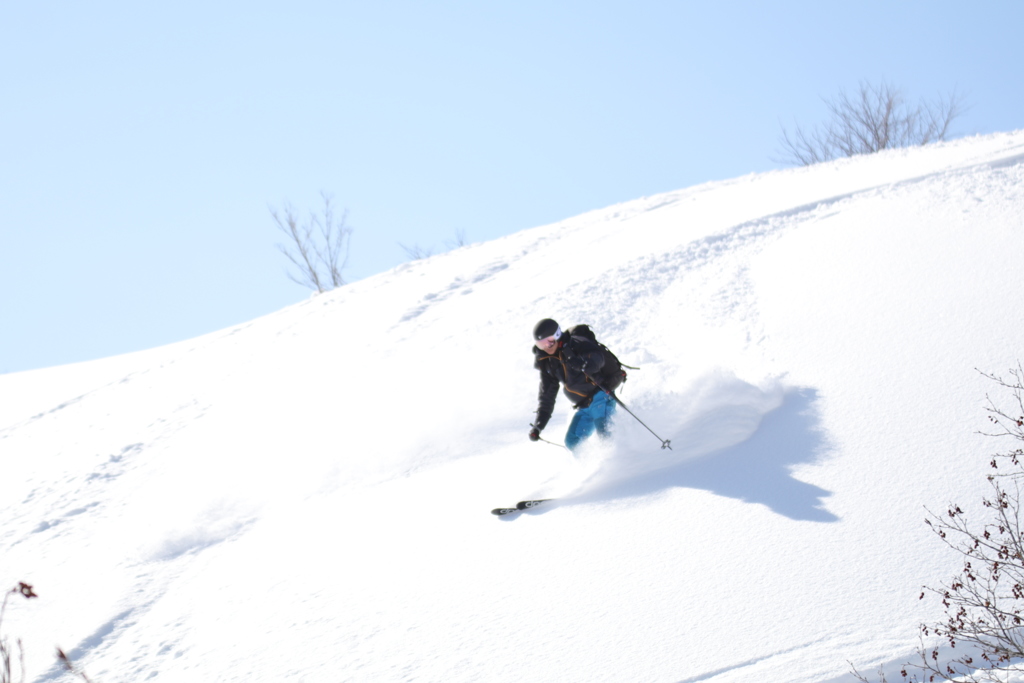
x=142, y=145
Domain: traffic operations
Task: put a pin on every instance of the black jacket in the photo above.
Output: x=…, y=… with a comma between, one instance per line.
x=566, y=366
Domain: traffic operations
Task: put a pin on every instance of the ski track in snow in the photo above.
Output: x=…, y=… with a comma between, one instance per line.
x=460, y=285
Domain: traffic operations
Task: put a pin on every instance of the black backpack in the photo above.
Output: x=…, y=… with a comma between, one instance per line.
x=611, y=374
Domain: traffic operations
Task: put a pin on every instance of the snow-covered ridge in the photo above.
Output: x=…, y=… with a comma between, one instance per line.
x=305, y=497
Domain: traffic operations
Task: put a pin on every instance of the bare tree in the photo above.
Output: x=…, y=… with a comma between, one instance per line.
x=459, y=240
x=876, y=118
x=319, y=248
x=416, y=252
x=982, y=635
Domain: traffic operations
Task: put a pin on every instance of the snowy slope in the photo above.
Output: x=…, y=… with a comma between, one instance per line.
x=306, y=497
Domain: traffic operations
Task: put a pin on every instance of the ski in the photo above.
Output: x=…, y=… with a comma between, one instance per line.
x=520, y=506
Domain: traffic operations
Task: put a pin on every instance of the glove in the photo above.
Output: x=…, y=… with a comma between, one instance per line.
x=534, y=434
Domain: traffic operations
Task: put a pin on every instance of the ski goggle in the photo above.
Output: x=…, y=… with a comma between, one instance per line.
x=547, y=341
x=556, y=335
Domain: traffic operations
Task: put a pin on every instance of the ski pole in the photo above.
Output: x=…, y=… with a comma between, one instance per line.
x=665, y=443
x=541, y=438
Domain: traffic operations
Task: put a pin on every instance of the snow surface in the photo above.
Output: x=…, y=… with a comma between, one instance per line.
x=306, y=497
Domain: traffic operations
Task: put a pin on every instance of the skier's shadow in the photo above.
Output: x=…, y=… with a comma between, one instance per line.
x=757, y=470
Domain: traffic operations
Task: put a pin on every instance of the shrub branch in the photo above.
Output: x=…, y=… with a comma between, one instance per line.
x=877, y=117
x=983, y=604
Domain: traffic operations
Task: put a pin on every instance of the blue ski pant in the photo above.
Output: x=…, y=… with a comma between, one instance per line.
x=594, y=418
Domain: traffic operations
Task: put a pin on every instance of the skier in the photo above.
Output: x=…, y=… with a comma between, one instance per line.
x=574, y=359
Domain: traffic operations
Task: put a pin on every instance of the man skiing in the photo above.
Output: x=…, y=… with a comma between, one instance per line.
x=588, y=372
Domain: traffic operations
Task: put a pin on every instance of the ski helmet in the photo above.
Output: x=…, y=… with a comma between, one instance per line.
x=547, y=328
